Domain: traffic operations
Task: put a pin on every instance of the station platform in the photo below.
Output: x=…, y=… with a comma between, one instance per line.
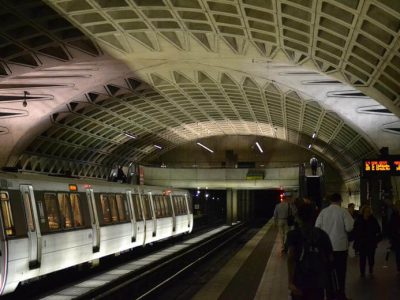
x=259, y=271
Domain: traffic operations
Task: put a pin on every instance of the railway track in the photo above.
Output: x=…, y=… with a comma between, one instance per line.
x=148, y=276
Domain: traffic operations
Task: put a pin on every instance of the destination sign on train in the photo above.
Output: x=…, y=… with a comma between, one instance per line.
x=381, y=166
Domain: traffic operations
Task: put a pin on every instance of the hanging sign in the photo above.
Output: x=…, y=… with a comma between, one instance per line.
x=388, y=166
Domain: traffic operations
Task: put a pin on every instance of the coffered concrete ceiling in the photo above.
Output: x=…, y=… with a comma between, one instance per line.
x=170, y=72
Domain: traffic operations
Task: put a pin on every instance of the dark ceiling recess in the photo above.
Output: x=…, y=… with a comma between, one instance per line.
x=375, y=109
x=310, y=82
x=347, y=94
x=4, y=114
x=380, y=111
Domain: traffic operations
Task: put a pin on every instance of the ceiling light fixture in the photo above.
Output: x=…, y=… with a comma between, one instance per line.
x=259, y=147
x=309, y=146
x=132, y=136
x=158, y=147
x=208, y=149
x=314, y=135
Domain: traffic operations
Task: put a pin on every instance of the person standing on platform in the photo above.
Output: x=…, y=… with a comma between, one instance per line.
x=355, y=214
x=281, y=213
x=367, y=234
x=337, y=222
x=394, y=232
x=314, y=165
x=309, y=257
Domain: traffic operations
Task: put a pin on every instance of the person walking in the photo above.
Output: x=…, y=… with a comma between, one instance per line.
x=337, y=222
x=394, y=232
x=355, y=214
x=309, y=257
x=367, y=234
x=282, y=211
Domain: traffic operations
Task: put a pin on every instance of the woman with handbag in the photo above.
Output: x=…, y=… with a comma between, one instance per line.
x=367, y=234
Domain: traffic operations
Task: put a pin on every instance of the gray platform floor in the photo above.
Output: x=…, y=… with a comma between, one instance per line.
x=237, y=276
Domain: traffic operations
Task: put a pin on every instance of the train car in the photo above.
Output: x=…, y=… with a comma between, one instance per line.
x=52, y=223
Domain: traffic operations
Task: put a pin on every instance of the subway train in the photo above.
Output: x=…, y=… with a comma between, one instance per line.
x=52, y=223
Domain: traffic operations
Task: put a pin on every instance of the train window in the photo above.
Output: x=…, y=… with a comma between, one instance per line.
x=114, y=209
x=182, y=205
x=190, y=206
x=146, y=207
x=122, y=208
x=161, y=205
x=65, y=210
x=53, y=217
x=6, y=214
x=167, y=203
x=105, y=207
x=177, y=205
x=157, y=207
x=137, y=208
x=41, y=212
x=28, y=212
x=76, y=210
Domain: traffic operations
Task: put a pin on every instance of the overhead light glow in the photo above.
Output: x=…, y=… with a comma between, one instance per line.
x=314, y=135
x=132, y=136
x=158, y=147
x=309, y=146
x=259, y=147
x=208, y=149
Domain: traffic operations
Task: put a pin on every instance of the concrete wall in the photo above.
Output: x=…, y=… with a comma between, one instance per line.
x=220, y=178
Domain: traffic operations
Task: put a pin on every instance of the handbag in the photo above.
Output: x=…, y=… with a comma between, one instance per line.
x=290, y=217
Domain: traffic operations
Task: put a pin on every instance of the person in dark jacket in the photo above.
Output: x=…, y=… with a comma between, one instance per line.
x=394, y=232
x=306, y=240
x=367, y=234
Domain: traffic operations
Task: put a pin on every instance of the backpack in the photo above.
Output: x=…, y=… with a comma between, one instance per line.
x=311, y=267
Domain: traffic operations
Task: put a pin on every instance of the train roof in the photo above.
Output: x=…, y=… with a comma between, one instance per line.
x=12, y=180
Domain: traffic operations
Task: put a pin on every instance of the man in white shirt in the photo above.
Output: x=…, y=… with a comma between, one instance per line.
x=337, y=222
x=281, y=212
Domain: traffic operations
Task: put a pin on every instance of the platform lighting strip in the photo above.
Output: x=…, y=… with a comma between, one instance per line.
x=158, y=147
x=259, y=147
x=201, y=145
x=130, y=135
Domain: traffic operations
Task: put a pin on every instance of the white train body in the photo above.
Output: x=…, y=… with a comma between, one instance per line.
x=52, y=223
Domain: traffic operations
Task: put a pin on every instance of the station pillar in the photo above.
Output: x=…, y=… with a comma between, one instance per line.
x=231, y=206
x=243, y=205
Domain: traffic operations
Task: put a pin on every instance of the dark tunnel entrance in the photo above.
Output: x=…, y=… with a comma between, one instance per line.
x=264, y=203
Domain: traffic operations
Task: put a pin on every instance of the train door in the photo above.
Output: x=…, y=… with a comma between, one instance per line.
x=153, y=210
x=132, y=216
x=94, y=220
x=141, y=199
x=3, y=244
x=188, y=210
x=173, y=213
x=32, y=221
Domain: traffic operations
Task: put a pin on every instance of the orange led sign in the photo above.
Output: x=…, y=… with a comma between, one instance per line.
x=390, y=166
x=376, y=165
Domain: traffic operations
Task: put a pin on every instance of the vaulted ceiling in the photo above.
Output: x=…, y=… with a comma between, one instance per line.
x=94, y=73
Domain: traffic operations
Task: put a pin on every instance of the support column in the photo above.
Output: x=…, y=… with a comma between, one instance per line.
x=231, y=206
x=246, y=205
